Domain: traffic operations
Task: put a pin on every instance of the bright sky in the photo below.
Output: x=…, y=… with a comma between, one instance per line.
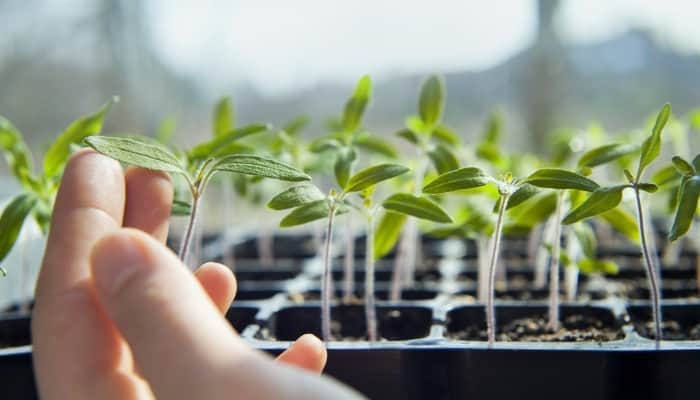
x=286, y=45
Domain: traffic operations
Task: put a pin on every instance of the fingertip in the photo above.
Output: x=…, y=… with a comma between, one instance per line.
x=307, y=352
x=219, y=283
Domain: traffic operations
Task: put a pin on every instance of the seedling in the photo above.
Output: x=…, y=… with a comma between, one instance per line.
x=432, y=140
x=198, y=164
x=343, y=145
x=310, y=204
x=39, y=188
x=607, y=198
x=687, y=199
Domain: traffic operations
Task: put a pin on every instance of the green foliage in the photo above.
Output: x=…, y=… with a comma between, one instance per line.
x=388, y=232
x=138, y=152
x=443, y=159
x=687, y=206
x=217, y=145
x=604, y=154
x=600, y=201
x=553, y=178
x=89, y=125
x=224, y=119
x=343, y=165
x=296, y=196
x=463, y=178
x=372, y=175
x=12, y=219
x=652, y=145
x=355, y=107
x=416, y=206
x=259, y=166
x=682, y=166
x=431, y=102
x=306, y=213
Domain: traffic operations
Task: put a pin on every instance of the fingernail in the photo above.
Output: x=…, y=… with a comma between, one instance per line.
x=114, y=260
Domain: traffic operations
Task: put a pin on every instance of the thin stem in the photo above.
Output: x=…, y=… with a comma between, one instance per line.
x=185, y=244
x=553, y=324
x=326, y=280
x=651, y=270
x=370, y=308
x=490, y=311
x=349, y=261
x=395, y=291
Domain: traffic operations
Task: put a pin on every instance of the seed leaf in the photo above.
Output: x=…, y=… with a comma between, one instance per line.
x=554, y=178
x=623, y=222
x=224, y=117
x=388, y=232
x=249, y=164
x=687, y=207
x=524, y=193
x=463, y=178
x=355, y=107
x=373, y=175
x=211, y=147
x=416, y=206
x=376, y=145
x=665, y=175
x=535, y=211
x=696, y=162
x=180, y=208
x=89, y=125
x=446, y=135
x=600, y=201
x=682, y=166
x=648, y=187
x=12, y=219
x=652, y=145
x=295, y=196
x=309, y=212
x=16, y=152
x=443, y=159
x=586, y=238
x=409, y=135
x=432, y=101
x=134, y=151
x=604, y=154
x=343, y=165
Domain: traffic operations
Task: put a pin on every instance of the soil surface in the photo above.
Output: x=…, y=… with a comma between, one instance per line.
x=671, y=330
x=574, y=328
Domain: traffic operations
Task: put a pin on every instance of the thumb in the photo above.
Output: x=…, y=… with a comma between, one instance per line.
x=182, y=345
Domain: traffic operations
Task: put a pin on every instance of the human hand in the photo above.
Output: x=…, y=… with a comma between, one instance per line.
x=117, y=315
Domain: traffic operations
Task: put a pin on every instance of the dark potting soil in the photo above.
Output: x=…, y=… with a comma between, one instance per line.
x=574, y=328
x=671, y=330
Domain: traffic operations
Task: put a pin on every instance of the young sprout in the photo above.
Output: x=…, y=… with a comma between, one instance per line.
x=511, y=193
x=310, y=204
x=687, y=199
x=343, y=146
x=432, y=140
x=39, y=189
x=198, y=164
x=607, y=198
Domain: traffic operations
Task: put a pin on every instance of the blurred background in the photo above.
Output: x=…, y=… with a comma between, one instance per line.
x=547, y=64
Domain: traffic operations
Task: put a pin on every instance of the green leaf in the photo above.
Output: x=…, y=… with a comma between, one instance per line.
x=388, y=233
x=133, y=151
x=12, y=219
x=180, y=208
x=463, y=178
x=373, y=175
x=432, y=101
x=665, y=175
x=648, y=187
x=249, y=164
x=224, y=117
x=696, y=162
x=494, y=126
x=210, y=148
x=554, y=178
x=343, y=165
x=409, y=135
x=355, y=107
x=604, y=154
x=524, y=193
x=534, y=211
x=623, y=222
x=296, y=196
x=687, y=207
x=446, y=135
x=586, y=238
x=16, y=153
x=416, y=206
x=416, y=125
x=89, y=125
x=443, y=159
x=309, y=212
x=600, y=201
x=590, y=266
x=682, y=166
x=652, y=145
x=165, y=131
x=376, y=145
x=295, y=126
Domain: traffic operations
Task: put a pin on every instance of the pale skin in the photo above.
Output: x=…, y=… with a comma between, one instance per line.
x=117, y=315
